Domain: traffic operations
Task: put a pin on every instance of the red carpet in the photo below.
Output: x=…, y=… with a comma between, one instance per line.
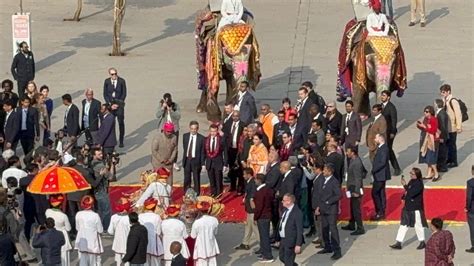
x=447, y=203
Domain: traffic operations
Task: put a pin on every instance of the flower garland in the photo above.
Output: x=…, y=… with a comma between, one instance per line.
x=217, y=150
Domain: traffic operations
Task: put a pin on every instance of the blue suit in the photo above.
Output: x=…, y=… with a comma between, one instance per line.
x=381, y=173
x=106, y=136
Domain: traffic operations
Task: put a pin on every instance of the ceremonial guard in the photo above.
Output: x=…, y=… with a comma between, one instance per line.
x=120, y=227
x=204, y=230
x=89, y=226
x=61, y=224
x=164, y=149
x=160, y=190
x=173, y=229
x=152, y=222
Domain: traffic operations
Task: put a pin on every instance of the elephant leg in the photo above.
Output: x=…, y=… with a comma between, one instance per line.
x=361, y=100
x=213, y=111
x=231, y=85
x=201, y=107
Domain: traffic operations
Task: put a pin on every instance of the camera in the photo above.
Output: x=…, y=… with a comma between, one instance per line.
x=12, y=191
x=59, y=134
x=112, y=158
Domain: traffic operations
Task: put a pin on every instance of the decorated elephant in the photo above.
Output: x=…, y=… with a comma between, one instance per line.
x=369, y=64
x=231, y=54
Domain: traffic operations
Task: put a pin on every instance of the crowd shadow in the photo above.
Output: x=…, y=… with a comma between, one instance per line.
x=465, y=151
x=140, y=4
x=107, y=8
x=95, y=39
x=136, y=138
x=436, y=14
x=53, y=59
x=174, y=26
x=400, y=11
x=132, y=166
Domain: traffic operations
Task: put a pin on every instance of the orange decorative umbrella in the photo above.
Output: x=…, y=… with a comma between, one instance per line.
x=58, y=180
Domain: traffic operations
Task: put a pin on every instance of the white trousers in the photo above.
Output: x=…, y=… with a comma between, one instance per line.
x=153, y=260
x=118, y=259
x=419, y=229
x=65, y=261
x=206, y=262
x=417, y=6
x=87, y=259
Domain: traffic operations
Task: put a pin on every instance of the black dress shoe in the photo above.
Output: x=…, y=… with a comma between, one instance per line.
x=452, y=165
x=121, y=145
x=411, y=24
x=422, y=245
x=397, y=245
x=348, y=227
x=470, y=250
x=442, y=170
x=324, y=251
x=358, y=232
x=311, y=232
x=242, y=247
x=336, y=256
x=397, y=172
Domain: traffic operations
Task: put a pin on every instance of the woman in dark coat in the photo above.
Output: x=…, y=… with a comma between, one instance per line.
x=413, y=214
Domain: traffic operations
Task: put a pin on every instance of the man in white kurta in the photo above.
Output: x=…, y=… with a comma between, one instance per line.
x=152, y=222
x=172, y=230
x=62, y=224
x=231, y=11
x=89, y=226
x=377, y=23
x=119, y=227
x=204, y=230
x=160, y=190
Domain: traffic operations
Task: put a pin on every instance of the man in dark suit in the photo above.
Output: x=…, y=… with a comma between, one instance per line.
x=290, y=230
x=137, y=242
x=336, y=160
x=273, y=179
x=326, y=200
x=289, y=181
x=443, y=124
x=232, y=131
x=115, y=91
x=263, y=199
x=90, y=113
x=333, y=118
x=216, y=159
x=351, y=128
x=194, y=156
x=50, y=241
x=390, y=114
x=178, y=259
x=470, y=208
x=302, y=107
x=23, y=68
x=298, y=134
x=355, y=174
x=71, y=118
x=10, y=126
x=29, y=130
x=278, y=130
x=381, y=173
x=245, y=104
x=314, y=96
x=106, y=137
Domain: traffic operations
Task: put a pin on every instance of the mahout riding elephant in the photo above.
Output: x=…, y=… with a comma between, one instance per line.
x=369, y=64
x=231, y=54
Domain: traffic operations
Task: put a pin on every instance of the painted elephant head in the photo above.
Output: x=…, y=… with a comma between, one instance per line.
x=380, y=57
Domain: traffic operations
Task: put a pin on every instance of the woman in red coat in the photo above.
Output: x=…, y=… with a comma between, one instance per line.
x=428, y=139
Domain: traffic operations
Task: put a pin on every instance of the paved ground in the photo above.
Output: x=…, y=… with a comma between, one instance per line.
x=299, y=41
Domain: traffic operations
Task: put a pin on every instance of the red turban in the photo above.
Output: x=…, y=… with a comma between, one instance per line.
x=163, y=173
x=203, y=206
x=123, y=205
x=172, y=210
x=56, y=200
x=375, y=4
x=168, y=127
x=87, y=202
x=150, y=203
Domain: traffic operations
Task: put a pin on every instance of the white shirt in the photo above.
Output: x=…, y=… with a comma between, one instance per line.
x=286, y=213
x=152, y=222
x=158, y=190
x=119, y=227
x=87, y=107
x=66, y=113
x=239, y=101
x=236, y=133
x=204, y=230
x=174, y=230
x=292, y=130
x=374, y=24
x=6, y=118
x=24, y=115
x=326, y=179
x=193, y=148
x=260, y=187
x=12, y=171
x=89, y=226
x=377, y=117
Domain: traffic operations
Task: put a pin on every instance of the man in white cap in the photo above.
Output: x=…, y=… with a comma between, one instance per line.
x=231, y=11
x=204, y=230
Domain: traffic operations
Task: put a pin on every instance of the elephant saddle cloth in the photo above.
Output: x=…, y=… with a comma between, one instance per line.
x=384, y=47
x=234, y=36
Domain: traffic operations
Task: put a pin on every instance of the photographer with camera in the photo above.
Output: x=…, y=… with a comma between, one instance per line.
x=102, y=173
x=169, y=111
x=8, y=231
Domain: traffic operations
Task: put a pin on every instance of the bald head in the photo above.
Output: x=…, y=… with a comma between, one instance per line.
x=285, y=167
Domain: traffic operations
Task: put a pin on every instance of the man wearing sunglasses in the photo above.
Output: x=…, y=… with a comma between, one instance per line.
x=115, y=91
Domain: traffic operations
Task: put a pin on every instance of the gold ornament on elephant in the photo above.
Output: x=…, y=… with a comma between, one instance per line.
x=234, y=36
x=384, y=47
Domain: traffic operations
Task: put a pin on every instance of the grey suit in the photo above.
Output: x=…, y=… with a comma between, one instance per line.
x=351, y=130
x=355, y=174
x=248, y=108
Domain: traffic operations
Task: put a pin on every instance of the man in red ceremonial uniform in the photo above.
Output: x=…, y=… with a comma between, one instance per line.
x=216, y=159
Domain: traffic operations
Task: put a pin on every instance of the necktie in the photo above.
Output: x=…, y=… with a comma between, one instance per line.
x=213, y=143
x=190, y=148
x=283, y=217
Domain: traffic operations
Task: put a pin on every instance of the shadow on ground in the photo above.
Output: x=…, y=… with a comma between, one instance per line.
x=94, y=40
x=53, y=59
